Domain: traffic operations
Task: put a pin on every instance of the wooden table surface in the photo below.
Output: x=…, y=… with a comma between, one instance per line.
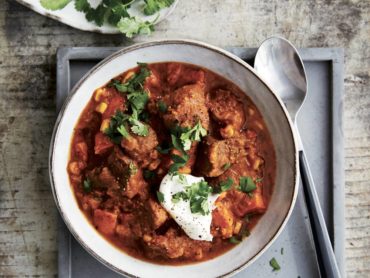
x=28, y=44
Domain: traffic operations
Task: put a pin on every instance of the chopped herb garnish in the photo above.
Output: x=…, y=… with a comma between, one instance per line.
x=194, y=134
x=197, y=194
x=163, y=150
x=138, y=127
x=246, y=184
x=162, y=107
x=132, y=168
x=226, y=166
x=87, y=186
x=160, y=196
x=182, y=179
x=282, y=251
x=116, y=129
x=149, y=175
x=137, y=99
x=274, y=264
x=178, y=162
x=122, y=130
x=234, y=240
x=226, y=184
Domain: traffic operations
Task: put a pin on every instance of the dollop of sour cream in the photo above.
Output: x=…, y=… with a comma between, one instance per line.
x=195, y=225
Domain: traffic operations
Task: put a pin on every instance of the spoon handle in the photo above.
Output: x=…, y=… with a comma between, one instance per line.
x=326, y=258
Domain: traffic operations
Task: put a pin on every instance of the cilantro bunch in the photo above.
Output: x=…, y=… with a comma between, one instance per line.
x=115, y=12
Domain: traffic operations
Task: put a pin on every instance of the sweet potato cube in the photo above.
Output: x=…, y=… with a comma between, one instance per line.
x=105, y=221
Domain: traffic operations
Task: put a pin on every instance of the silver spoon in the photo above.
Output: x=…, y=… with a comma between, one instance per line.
x=280, y=65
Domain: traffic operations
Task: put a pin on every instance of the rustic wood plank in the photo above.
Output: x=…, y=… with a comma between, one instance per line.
x=28, y=44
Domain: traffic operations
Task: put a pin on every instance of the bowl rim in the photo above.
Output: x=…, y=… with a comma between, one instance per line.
x=189, y=42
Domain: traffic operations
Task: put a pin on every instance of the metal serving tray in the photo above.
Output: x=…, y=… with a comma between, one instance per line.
x=320, y=124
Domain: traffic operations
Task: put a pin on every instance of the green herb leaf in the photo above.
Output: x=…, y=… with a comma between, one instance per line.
x=131, y=26
x=132, y=168
x=163, y=150
x=246, y=184
x=197, y=194
x=149, y=175
x=259, y=179
x=116, y=129
x=274, y=264
x=160, y=196
x=122, y=130
x=153, y=6
x=54, y=5
x=194, y=134
x=226, y=184
x=87, y=186
x=226, y=166
x=82, y=5
x=234, y=240
x=138, y=127
x=162, y=107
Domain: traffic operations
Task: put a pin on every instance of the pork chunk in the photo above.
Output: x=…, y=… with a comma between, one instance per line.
x=228, y=111
x=187, y=106
x=158, y=213
x=172, y=245
x=141, y=148
x=128, y=175
x=218, y=155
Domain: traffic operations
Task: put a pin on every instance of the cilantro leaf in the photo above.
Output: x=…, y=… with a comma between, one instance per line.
x=274, y=264
x=54, y=5
x=82, y=5
x=234, y=240
x=138, y=127
x=87, y=186
x=226, y=166
x=122, y=130
x=98, y=14
x=160, y=196
x=116, y=128
x=149, y=175
x=197, y=194
x=246, y=184
x=153, y=6
x=226, y=184
x=131, y=26
x=194, y=134
x=162, y=107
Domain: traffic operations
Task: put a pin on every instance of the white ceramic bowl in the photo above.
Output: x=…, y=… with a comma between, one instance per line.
x=225, y=64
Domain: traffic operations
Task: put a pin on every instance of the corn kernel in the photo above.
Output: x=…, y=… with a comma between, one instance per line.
x=237, y=227
x=104, y=125
x=101, y=107
x=257, y=163
x=99, y=94
x=128, y=76
x=228, y=131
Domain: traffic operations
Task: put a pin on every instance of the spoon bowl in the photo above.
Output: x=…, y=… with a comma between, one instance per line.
x=278, y=62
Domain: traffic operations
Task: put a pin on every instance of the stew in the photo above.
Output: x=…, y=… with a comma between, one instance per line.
x=171, y=119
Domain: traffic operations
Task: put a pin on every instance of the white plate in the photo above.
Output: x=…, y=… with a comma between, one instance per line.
x=70, y=16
